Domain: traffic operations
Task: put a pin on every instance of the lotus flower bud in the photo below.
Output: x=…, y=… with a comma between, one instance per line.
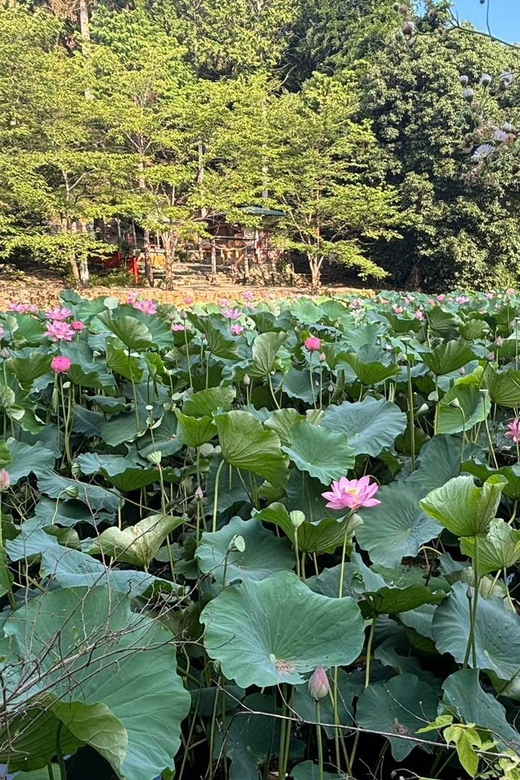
x=312, y=344
x=247, y=380
x=330, y=388
x=199, y=495
x=499, y=341
x=323, y=357
x=297, y=518
x=4, y=353
x=319, y=684
x=5, y=481
x=155, y=457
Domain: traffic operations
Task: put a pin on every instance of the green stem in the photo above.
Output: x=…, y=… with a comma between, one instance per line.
x=296, y=552
x=411, y=417
x=215, y=500
x=369, y=651
x=134, y=391
x=319, y=741
x=275, y=399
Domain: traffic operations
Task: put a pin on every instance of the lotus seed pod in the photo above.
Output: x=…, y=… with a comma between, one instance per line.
x=319, y=684
x=464, y=80
x=297, y=518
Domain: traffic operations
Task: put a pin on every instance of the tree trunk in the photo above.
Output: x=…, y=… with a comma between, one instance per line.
x=84, y=274
x=315, y=264
x=170, y=247
x=84, y=26
x=213, y=263
x=148, y=267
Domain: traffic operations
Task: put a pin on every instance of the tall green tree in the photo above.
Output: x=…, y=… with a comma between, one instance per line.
x=326, y=178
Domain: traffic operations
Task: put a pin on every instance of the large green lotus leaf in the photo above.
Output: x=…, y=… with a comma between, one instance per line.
x=29, y=367
x=323, y=536
x=444, y=322
x=218, y=339
x=282, y=421
x=462, y=407
x=321, y=453
x=397, y=528
x=205, y=402
x=123, y=473
x=263, y=554
x=497, y=632
x=370, y=425
x=297, y=384
x=504, y=387
x=139, y=543
x=420, y=619
x=274, y=631
x=121, y=428
x=129, y=366
x=448, y=357
x=135, y=335
x=95, y=497
x=112, y=656
x=195, y=431
x=462, y=507
x=72, y=568
x=465, y=698
x=371, y=372
x=482, y=471
x=67, y=513
x=439, y=461
x=398, y=591
x=49, y=772
x=26, y=331
x=265, y=350
x=97, y=726
x=401, y=706
x=29, y=459
x=28, y=742
x=247, y=445
x=498, y=550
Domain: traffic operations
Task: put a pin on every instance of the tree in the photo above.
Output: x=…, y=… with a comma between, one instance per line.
x=325, y=178
x=463, y=232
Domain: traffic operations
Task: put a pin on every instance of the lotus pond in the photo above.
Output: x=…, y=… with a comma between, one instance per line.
x=260, y=541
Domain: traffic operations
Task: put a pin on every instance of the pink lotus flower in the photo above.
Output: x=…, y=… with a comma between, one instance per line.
x=59, y=314
x=231, y=314
x=419, y=315
x=224, y=302
x=78, y=326
x=2, y=332
x=462, y=299
x=176, y=326
x=431, y=301
x=188, y=299
x=513, y=431
x=61, y=364
x=5, y=481
x=356, y=303
x=398, y=309
x=22, y=308
x=441, y=297
x=319, y=684
x=145, y=307
x=248, y=295
x=59, y=331
x=510, y=291
x=313, y=344
x=131, y=299
x=352, y=494
x=237, y=330
x=407, y=299
x=490, y=296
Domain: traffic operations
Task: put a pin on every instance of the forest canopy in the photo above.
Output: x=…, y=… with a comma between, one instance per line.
x=386, y=139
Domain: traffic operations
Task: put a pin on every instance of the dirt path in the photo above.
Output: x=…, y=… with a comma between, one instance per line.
x=44, y=290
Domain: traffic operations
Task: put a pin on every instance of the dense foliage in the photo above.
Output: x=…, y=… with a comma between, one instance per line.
x=345, y=114
x=262, y=538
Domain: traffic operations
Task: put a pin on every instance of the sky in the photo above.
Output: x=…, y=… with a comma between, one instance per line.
x=504, y=17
